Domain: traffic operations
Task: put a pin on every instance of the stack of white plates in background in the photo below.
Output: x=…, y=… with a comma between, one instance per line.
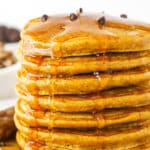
x=8, y=81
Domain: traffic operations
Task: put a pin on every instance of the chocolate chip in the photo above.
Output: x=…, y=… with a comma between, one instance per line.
x=73, y=16
x=44, y=18
x=80, y=10
x=102, y=20
x=123, y=16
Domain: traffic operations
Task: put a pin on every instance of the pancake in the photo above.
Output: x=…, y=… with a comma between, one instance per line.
x=81, y=84
x=78, y=65
x=32, y=145
x=49, y=119
x=59, y=36
x=127, y=134
x=115, y=98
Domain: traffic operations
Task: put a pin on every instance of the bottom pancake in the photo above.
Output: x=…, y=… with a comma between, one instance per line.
x=49, y=119
x=115, y=135
x=25, y=143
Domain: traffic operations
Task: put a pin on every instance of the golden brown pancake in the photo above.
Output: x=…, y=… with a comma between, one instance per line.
x=32, y=145
x=127, y=133
x=49, y=119
x=81, y=84
x=77, y=65
x=115, y=98
x=59, y=36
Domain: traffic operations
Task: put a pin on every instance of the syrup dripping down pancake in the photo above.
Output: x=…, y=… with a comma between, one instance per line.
x=81, y=84
x=49, y=119
x=24, y=142
x=116, y=98
x=61, y=37
x=127, y=133
x=78, y=65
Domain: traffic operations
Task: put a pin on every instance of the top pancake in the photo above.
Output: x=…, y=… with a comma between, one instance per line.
x=58, y=36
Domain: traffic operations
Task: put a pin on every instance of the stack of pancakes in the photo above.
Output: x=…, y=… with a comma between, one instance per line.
x=84, y=84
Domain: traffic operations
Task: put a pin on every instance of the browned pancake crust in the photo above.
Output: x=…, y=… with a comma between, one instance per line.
x=60, y=37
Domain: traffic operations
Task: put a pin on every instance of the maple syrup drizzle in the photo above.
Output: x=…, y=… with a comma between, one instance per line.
x=55, y=29
x=60, y=28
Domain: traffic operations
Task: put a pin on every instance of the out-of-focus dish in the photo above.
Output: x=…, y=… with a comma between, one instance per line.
x=8, y=66
x=7, y=92
x=9, y=34
x=7, y=58
x=7, y=95
x=8, y=74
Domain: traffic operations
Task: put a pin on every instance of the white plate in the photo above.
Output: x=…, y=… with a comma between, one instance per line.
x=6, y=103
x=8, y=81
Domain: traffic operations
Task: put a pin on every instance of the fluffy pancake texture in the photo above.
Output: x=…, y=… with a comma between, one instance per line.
x=61, y=37
x=115, y=98
x=32, y=145
x=83, y=84
x=107, y=136
x=49, y=119
x=76, y=65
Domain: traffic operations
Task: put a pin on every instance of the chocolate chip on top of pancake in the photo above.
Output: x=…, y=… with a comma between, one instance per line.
x=83, y=83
